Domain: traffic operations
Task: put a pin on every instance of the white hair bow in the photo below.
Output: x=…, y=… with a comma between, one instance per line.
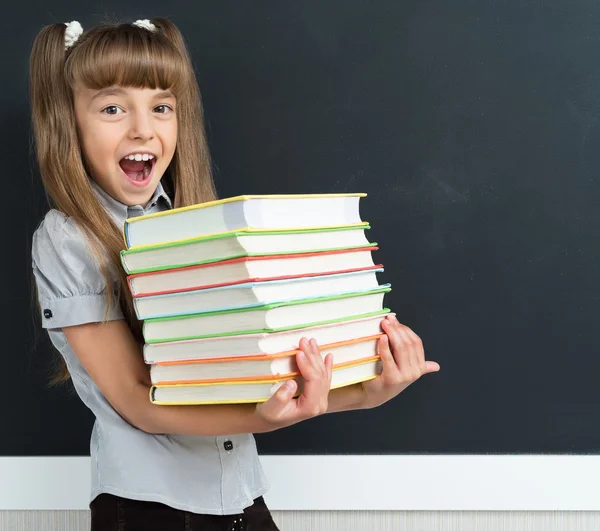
x=145, y=23
x=72, y=33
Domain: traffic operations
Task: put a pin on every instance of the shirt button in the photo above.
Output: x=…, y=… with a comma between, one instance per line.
x=47, y=313
x=228, y=445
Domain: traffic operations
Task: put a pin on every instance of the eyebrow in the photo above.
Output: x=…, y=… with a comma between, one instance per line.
x=113, y=91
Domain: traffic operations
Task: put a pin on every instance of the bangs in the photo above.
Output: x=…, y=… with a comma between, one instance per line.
x=128, y=56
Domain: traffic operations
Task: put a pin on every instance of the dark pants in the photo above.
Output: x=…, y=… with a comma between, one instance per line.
x=112, y=513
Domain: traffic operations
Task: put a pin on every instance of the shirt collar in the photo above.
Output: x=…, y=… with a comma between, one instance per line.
x=120, y=211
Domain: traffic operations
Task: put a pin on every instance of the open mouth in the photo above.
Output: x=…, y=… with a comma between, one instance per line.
x=138, y=172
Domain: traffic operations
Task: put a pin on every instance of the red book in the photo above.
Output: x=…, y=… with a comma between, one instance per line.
x=251, y=269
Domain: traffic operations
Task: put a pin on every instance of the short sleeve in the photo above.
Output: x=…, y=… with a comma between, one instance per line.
x=71, y=287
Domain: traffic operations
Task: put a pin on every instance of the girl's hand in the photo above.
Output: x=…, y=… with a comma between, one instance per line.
x=403, y=361
x=282, y=409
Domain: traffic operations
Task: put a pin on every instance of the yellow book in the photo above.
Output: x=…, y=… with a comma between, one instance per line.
x=242, y=392
x=244, y=213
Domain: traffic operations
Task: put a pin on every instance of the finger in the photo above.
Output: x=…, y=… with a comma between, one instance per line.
x=315, y=378
x=416, y=340
x=399, y=344
x=319, y=359
x=388, y=364
x=305, y=357
x=311, y=353
x=412, y=343
x=329, y=367
x=317, y=381
x=417, y=353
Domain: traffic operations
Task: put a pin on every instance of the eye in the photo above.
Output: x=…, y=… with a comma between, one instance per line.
x=112, y=109
x=165, y=109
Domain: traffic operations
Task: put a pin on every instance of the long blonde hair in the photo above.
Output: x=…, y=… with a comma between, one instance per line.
x=107, y=55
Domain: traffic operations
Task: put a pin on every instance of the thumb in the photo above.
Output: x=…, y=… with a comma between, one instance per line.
x=282, y=396
x=431, y=366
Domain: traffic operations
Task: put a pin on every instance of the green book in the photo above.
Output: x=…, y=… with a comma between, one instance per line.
x=268, y=318
x=239, y=244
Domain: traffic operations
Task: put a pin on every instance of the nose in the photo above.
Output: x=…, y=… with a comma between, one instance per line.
x=142, y=126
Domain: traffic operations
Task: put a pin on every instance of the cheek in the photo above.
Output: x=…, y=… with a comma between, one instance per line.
x=168, y=132
x=98, y=152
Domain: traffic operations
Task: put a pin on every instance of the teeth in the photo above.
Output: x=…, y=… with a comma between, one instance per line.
x=138, y=156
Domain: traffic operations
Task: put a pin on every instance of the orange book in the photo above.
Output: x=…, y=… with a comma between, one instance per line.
x=262, y=367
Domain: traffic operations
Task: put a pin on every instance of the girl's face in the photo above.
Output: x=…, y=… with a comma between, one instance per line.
x=117, y=124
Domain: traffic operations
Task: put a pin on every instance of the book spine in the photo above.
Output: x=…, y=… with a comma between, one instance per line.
x=137, y=310
x=126, y=234
x=130, y=281
x=124, y=263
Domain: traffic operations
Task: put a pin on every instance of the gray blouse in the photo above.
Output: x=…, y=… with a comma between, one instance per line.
x=211, y=475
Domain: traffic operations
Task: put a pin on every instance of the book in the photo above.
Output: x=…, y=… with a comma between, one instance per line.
x=250, y=269
x=267, y=318
x=239, y=392
x=262, y=343
x=258, y=212
x=249, y=294
x=280, y=365
x=197, y=251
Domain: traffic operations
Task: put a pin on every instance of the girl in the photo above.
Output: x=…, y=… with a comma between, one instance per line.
x=117, y=118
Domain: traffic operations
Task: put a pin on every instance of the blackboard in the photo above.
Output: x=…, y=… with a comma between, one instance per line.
x=474, y=129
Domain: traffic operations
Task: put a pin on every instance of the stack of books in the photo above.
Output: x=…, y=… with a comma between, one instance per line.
x=226, y=290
